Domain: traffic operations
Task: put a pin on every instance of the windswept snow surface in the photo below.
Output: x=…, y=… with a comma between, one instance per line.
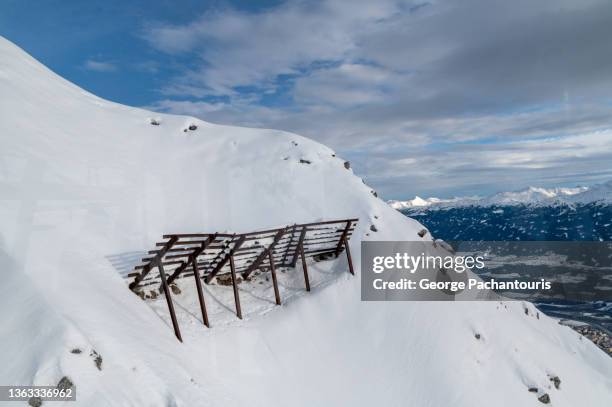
x=88, y=185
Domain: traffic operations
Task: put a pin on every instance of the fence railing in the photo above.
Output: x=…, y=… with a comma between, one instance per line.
x=206, y=256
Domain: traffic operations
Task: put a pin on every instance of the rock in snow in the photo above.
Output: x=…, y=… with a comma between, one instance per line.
x=84, y=179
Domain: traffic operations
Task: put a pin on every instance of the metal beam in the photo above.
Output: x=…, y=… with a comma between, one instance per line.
x=175, y=325
x=348, y=256
x=284, y=260
x=196, y=274
x=235, y=285
x=343, y=238
x=274, y=282
x=304, y=267
x=300, y=246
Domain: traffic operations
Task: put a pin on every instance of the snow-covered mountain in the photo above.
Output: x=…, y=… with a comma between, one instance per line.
x=527, y=196
x=84, y=181
x=419, y=202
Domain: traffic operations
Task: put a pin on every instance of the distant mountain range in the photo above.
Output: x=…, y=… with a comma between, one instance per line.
x=581, y=213
x=528, y=196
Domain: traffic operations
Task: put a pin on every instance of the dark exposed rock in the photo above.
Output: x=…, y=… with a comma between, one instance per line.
x=192, y=127
x=422, y=232
x=373, y=228
x=140, y=293
x=97, y=358
x=294, y=143
x=477, y=336
x=153, y=294
x=65, y=383
x=175, y=289
x=556, y=381
x=35, y=402
x=347, y=165
x=544, y=398
x=532, y=389
x=226, y=279
x=374, y=193
x=303, y=161
x=76, y=351
x=596, y=335
x=155, y=122
x=324, y=256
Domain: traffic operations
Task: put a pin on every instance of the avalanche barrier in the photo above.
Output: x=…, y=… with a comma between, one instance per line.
x=206, y=255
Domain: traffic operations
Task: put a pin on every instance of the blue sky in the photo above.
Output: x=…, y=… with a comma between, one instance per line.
x=65, y=35
x=431, y=98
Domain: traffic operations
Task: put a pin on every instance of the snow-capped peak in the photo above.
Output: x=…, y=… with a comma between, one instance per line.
x=528, y=196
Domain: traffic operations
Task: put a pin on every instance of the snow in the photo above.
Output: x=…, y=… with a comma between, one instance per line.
x=529, y=196
x=89, y=185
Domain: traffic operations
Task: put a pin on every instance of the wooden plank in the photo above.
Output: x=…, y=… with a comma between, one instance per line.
x=329, y=222
x=235, y=285
x=264, y=254
x=192, y=257
x=293, y=228
x=222, y=263
x=190, y=235
x=184, y=243
x=145, y=270
x=165, y=263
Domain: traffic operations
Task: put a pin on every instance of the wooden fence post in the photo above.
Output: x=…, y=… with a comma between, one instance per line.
x=162, y=275
x=236, y=295
x=305, y=267
x=196, y=274
x=348, y=256
x=274, y=282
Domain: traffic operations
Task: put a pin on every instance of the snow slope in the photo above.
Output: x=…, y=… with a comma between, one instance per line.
x=528, y=196
x=88, y=185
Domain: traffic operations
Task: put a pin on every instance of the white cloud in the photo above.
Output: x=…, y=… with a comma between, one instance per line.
x=346, y=85
x=242, y=49
x=400, y=87
x=100, y=66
